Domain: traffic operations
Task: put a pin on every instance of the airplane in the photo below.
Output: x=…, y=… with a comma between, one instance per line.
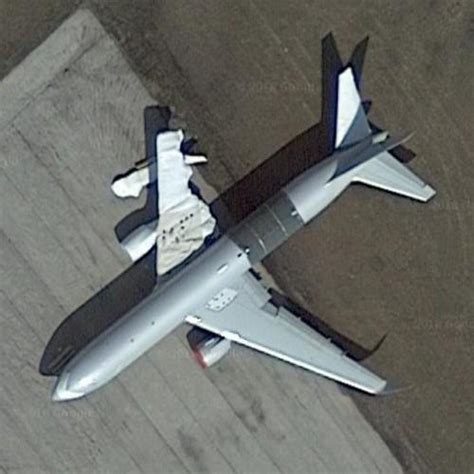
x=207, y=279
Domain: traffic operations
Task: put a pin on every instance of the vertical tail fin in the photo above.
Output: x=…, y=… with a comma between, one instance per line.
x=357, y=60
x=340, y=85
x=352, y=125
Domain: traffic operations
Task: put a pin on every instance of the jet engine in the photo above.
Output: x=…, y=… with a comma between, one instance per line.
x=208, y=348
x=140, y=241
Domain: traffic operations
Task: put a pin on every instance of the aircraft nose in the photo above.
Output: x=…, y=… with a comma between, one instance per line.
x=61, y=390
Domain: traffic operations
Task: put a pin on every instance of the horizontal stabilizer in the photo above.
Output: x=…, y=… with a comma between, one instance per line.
x=386, y=172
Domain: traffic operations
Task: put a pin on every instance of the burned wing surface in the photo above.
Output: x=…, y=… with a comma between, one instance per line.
x=185, y=219
x=242, y=313
x=182, y=220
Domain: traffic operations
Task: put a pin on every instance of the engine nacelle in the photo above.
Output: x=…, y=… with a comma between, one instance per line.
x=140, y=241
x=208, y=348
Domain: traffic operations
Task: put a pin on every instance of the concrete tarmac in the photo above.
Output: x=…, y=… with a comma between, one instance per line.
x=246, y=78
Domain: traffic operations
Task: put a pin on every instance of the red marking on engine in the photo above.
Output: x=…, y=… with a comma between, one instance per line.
x=200, y=359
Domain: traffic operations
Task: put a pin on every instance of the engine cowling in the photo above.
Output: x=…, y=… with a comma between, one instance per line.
x=207, y=348
x=140, y=241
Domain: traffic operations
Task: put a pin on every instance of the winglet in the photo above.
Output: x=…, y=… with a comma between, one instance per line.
x=374, y=349
x=330, y=52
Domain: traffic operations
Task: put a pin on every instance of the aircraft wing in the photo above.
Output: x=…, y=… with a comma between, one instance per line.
x=243, y=313
x=184, y=220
